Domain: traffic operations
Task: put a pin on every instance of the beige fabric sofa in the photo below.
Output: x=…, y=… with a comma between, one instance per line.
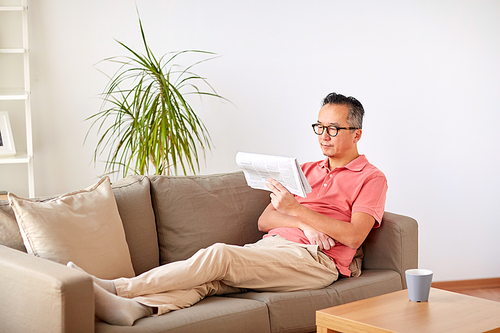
x=167, y=219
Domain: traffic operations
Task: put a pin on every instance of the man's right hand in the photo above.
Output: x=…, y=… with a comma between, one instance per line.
x=319, y=238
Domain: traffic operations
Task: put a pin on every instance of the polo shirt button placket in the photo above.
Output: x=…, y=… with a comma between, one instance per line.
x=328, y=179
x=325, y=184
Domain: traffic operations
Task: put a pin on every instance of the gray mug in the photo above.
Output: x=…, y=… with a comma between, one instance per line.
x=418, y=282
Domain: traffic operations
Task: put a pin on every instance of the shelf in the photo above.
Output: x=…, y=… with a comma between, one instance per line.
x=14, y=90
x=21, y=51
x=11, y=8
x=19, y=158
x=13, y=94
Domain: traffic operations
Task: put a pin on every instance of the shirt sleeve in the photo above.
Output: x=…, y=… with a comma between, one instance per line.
x=371, y=199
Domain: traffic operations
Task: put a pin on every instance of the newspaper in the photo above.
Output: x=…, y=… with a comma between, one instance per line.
x=286, y=170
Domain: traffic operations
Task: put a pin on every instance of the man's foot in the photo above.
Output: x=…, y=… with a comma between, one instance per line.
x=107, y=285
x=116, y=310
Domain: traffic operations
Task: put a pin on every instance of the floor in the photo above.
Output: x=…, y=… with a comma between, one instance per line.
x=488, y=293
x=482, y=288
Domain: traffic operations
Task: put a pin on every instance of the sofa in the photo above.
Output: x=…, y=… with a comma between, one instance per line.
x=169, y=218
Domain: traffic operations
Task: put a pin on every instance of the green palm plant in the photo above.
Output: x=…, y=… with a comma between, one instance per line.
x=153, y=127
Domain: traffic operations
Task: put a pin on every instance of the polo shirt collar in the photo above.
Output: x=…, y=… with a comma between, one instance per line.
x=355, y=165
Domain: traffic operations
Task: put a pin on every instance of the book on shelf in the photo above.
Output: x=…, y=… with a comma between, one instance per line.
x=286, y=170
x=3, y=195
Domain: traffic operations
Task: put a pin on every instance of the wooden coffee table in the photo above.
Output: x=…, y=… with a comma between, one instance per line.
x=444, y=312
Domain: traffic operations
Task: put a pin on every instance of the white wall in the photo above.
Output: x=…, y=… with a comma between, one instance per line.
x=427, y=73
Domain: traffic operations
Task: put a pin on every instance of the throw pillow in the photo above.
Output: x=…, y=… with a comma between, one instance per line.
x=82, y=226
x=133, y=198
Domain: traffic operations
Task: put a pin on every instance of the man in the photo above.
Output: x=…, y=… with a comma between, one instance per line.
x=310, y=239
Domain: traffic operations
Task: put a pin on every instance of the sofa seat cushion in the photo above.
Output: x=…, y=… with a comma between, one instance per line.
x=212, y=315
x=293, y=311
x=195, y=212
x=296, y=311
x=370, y=284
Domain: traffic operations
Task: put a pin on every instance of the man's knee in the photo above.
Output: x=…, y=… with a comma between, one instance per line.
x=216, y=252
x=218, y=247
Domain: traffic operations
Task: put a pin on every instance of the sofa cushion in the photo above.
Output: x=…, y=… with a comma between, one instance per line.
x=9, y=230
x=82, y=226
x=370, y=284
x=293, y=311
x=296, y=311
x=211, y=315
x=197, y=211
x=133, y=199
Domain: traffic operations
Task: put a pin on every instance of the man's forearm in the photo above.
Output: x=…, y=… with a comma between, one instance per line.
x=351, y=234
x=271, y=219
x=340, y=231
x=346, y=233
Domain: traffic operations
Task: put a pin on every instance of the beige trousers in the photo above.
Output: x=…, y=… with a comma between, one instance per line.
x=271, y=264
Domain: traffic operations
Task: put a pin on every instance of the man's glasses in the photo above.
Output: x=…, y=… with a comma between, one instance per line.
x=331, y=130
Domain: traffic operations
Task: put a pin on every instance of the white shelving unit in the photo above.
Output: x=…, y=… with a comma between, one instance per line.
x=20, y=93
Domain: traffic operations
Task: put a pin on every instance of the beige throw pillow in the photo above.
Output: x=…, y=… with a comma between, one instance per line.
x=83, y=227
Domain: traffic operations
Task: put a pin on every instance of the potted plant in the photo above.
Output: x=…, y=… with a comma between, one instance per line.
x=153, y=127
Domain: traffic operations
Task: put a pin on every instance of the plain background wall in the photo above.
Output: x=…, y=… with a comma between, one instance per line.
x=427, y=73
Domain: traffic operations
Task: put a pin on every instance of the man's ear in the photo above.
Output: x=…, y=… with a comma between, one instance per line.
x=357, y=137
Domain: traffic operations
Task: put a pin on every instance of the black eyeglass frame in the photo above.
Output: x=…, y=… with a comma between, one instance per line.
x=328, y=128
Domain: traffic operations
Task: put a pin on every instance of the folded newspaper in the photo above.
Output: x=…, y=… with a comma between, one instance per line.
x=286, y=170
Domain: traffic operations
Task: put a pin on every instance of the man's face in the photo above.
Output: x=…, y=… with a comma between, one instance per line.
x=345, y=141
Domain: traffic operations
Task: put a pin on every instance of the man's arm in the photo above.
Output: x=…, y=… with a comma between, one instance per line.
x=271, y=219
x=286, y=211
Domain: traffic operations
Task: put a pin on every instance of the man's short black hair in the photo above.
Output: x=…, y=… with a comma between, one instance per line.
x=356, y=111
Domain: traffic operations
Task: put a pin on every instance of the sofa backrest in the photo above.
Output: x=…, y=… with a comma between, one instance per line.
x=169, y=218
x=193, y=212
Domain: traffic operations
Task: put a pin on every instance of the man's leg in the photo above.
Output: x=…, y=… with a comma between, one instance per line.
x=124, y=311
x=180, y=299
x=272, y=264
x=117, y=310
x=107, y=285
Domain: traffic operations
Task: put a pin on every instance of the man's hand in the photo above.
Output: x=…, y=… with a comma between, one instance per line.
x=319, y=238
x=282, y=200
x=285, y=203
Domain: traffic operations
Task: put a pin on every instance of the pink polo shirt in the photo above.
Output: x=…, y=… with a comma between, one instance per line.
x=356, y=187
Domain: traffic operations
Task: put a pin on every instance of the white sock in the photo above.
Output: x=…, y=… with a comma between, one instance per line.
x=116, y=310
x=107, y=285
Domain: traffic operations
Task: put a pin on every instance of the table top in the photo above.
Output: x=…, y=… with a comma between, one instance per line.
x=444, y=312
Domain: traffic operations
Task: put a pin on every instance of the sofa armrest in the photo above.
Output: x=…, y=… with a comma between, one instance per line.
x=393, y=246
x=39, y=295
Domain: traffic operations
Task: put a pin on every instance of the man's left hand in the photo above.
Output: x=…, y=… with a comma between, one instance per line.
x=319, y=238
